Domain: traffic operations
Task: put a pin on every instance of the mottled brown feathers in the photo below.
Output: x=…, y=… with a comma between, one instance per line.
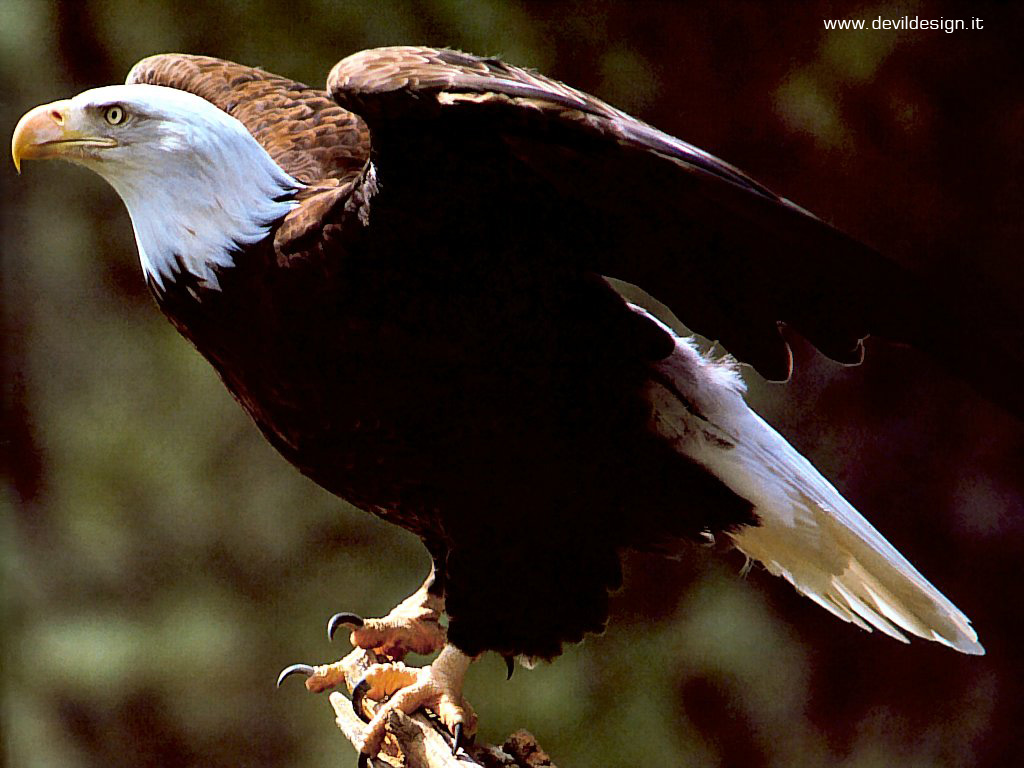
x=305, y=132
x=406, y=70
x=302, y=128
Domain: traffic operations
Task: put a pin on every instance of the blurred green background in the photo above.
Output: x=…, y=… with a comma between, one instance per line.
x=160, y=563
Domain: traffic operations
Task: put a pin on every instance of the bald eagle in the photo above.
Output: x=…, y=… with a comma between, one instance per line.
x=404, y=280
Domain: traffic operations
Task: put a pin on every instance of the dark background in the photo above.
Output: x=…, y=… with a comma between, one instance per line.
x=161, y=563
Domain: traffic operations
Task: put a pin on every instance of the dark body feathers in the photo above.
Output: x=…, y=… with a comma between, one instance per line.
x=428, y=334
x=482, y=402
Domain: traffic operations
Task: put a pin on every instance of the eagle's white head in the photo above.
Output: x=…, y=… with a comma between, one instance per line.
x=196, y=183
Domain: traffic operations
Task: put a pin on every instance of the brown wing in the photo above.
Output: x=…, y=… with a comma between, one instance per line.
x=391, y=82
x=302, y=128
x=729, y=257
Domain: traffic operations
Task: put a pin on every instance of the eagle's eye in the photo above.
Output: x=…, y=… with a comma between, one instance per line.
x=114, y=115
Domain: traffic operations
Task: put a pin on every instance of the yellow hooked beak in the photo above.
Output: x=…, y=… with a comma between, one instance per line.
x=48, y=131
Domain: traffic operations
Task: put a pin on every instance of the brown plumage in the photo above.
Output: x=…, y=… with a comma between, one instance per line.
x=303, y=130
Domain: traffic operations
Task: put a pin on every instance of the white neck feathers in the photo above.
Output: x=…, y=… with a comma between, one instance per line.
x=197, y=185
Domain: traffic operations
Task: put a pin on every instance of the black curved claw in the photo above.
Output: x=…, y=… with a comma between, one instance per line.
x=457, y=739
x=342, y=618
x=510, y=665
x=358, y=694
x=295, y=669
x=364, y=760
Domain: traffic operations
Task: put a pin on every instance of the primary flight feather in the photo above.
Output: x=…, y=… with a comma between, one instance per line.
x=402, y=279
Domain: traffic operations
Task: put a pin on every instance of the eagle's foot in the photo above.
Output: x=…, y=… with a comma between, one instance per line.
x=412, y=626
x=437, y=687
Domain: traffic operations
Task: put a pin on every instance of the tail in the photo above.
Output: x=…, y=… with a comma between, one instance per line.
x=808, y=533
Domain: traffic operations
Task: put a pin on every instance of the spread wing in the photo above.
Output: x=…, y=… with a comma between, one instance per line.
x=732, y=259
x=617, y=196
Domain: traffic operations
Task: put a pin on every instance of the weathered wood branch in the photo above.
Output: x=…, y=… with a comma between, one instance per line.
x=420, y=742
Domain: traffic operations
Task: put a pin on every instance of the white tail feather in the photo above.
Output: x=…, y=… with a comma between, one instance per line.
x=808, y=533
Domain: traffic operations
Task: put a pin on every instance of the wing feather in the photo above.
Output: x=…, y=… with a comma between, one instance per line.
x=733, y=260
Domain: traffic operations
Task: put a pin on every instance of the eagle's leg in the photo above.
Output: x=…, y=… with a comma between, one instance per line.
x=412, y=626
x=437, y=687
